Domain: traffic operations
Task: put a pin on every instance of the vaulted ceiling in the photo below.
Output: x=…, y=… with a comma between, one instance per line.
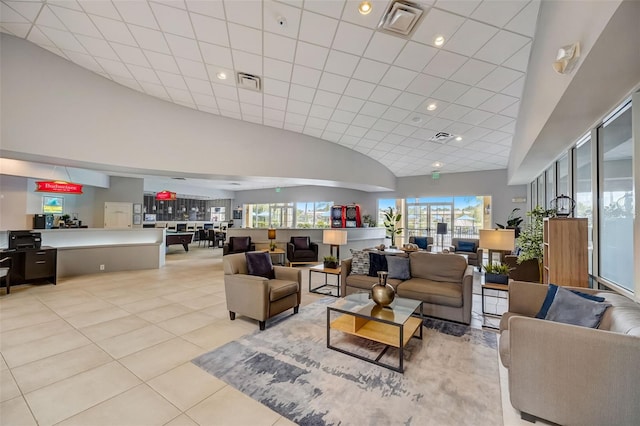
x=325, y=69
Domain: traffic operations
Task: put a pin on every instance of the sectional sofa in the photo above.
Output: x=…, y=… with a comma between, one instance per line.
x=444, y=282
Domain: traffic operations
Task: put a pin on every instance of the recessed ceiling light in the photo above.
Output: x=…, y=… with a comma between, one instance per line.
x=459, y=138
x=364, y=8
x=438, y=41
x=437, y=164
x=431, y=107
x=221, y=75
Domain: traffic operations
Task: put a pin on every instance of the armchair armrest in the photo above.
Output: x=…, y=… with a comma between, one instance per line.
x=313, y=246
x=467, y=293
x=286, y=273
x=247, y=295
x=290, y=250
x=554, y=369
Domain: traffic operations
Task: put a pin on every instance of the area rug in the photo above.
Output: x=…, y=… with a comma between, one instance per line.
x=450, y=378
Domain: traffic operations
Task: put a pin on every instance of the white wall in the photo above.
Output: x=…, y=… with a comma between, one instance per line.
x=84, y=119
x=13, y=203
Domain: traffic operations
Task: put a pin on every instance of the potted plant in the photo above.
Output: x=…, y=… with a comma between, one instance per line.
x=392, y=225
x=368, y=222
x=330, y=262
x=496, y=272
x=531, y=237
x=513, y=222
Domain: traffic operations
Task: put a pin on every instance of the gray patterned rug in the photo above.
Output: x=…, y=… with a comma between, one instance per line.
x=451, y=377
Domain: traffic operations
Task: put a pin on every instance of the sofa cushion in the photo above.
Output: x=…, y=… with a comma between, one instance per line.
x=360, y=262
x=466, y=246
x=377, y=262
x=437, y=266
x=570, y=308
x=301, y=243
x=421, y=242
x=281, y=288
x=365, y=282
x=259, y=264
x=398, y=267
x=435, y=292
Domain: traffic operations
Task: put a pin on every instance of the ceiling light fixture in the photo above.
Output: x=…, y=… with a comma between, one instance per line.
x=221, y=76
x=458, y=138
x=567, y=58
x=364, y=8
x=438, y=41
x=437, y=164
x=432, y=107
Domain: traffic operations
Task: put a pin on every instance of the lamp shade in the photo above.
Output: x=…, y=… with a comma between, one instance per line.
x=334, y=237
x=271, y=234
x=497, y=239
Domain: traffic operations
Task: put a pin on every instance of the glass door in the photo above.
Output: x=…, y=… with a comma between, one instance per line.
x=440, y=213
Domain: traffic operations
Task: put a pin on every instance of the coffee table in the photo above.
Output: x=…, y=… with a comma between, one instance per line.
x=392, y=326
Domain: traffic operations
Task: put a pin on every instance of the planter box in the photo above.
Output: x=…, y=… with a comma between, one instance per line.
x=331, y=265
x=496, y=278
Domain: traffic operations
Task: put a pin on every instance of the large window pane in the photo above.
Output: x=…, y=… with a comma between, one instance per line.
x=583, y=195
x=540, y=191
x=617, y=200
x=550, y=191
x=563, y=175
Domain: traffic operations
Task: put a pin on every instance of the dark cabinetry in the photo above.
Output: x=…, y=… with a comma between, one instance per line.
x=32, y=265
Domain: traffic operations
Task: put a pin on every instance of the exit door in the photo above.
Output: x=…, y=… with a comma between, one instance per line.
x=118, y=215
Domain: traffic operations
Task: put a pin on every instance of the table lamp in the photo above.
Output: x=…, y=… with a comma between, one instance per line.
x=334, y=238
x=271, y=234
x=497, y=240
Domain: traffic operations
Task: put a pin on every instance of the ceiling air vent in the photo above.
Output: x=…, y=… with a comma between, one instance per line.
x=249, y=81
x=401, y=18
x=441, y=137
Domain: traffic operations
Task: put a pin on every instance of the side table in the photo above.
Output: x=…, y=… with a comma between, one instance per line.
x=327, y=288
x=499, y=289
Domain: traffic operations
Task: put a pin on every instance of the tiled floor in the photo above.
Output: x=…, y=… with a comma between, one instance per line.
x=115, y=348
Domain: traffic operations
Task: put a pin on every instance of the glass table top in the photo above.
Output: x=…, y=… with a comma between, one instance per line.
x=360, y=304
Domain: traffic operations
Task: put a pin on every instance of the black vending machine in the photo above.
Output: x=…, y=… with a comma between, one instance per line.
x=42, y=221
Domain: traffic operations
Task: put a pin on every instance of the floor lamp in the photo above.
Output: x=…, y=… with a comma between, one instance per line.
x=335, y=238
x=499, y=240
x=442, y=231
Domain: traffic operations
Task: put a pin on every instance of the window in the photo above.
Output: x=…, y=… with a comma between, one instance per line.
x=313, y=214
x=550, y=190
x=616, y=196
x=582, y=184
x=540, y=191
x=563, y=176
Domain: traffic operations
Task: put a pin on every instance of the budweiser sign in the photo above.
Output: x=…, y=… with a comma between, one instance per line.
x=59, y=186
x=166, y=195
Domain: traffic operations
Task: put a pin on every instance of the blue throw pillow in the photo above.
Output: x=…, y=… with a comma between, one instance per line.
x=259, y=264
x=398, y=267
x=571, y=307
x=421, y=242
x=467, y=246
x=377, y=262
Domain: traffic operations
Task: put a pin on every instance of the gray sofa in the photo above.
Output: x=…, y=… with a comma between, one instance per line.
x=443, y=281
x=568, y=374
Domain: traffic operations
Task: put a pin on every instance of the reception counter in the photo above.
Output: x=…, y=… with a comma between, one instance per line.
x=357, y=238
x=93, y=250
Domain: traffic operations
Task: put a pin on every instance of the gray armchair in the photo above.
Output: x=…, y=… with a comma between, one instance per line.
x=238, y=245
x=258, y=297
x=425, y=243
x=474, y=254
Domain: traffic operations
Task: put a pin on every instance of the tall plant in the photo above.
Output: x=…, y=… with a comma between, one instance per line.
x=531, y=237
x=392, y=224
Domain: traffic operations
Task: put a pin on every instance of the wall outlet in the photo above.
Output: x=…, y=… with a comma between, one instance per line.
x=102, y=267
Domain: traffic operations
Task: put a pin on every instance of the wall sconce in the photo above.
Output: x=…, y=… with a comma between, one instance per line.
x=567, y=58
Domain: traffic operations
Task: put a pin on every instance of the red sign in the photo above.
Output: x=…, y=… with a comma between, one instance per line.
x=59, y=186
x=166, y=195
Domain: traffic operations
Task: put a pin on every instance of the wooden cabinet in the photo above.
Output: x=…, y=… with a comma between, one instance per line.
x=565, y=248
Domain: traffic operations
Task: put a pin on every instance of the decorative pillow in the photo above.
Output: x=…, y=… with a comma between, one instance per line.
x=398, y=267
x=467, y=246
x=421, y=242
x=300, y=243
x=377, y=262
x=359, y=262
x=569, y=307
x=241, y=243
x=259, y=264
